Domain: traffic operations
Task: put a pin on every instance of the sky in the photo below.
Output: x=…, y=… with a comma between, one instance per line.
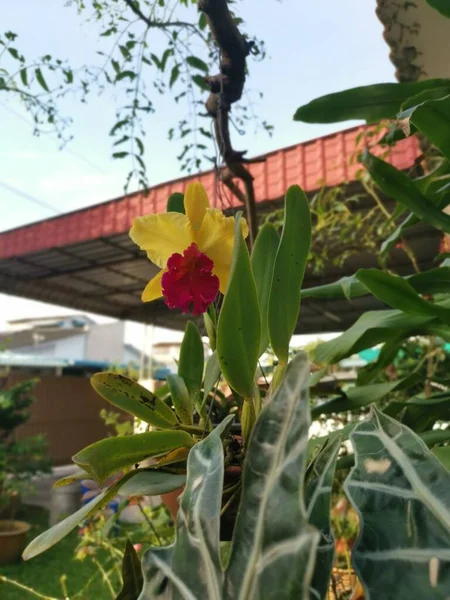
x=314, y=48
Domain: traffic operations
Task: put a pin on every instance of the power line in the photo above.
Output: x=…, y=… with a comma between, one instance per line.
x=68, y=150
x=22, y=194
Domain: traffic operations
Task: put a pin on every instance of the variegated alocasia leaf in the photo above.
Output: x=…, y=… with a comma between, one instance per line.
x=402, y=494
x=195, y=569
x=274, y=548
x=318, y=487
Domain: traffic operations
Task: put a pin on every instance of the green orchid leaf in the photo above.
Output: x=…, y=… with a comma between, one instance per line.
x=131, y=574
x=239, y=327
x=263, y=260
x=289, y=270
x=273, y=550
x=371, y=103
x=400, y=491
x=106, y=457
x=181, y=399
x=191, y=361
x=135, y=483
x=148, y=482
x=52, y=536
x=175, y=203
x=212, y=374
x=396, y=184
x=126, y=394
x=78, y=476
x=318, y=487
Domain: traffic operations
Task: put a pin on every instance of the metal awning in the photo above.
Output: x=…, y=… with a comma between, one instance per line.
x=85, y=260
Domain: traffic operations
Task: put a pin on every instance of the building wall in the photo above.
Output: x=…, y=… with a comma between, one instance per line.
x=105, y=342
x=72, y=348
x=67, y=411
x=130, y=356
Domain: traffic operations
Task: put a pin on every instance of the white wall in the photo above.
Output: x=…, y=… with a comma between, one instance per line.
x=105, y=342
x=72, y=348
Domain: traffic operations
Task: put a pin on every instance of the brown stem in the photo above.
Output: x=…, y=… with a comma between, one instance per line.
x=226, y=88
x=134, y=6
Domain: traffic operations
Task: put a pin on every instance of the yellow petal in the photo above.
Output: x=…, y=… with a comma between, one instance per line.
x=195, y=204
x=216, y=240
x=162, y=235
x=153, y=288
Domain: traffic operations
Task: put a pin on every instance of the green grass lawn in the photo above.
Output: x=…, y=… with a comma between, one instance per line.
x=44, y=572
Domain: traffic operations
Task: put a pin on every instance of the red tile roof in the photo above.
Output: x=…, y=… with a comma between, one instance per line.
x=327, y=160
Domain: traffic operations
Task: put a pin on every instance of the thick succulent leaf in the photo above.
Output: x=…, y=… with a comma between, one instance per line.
x=442, y=453
x=263, y=260
x=102, y=459
x=420, y=413
x=132, y=579
x=371, y=329
x=371, y=102
x=434, y=281
x=318, y=488
x=288, y=271
x=192, y=357
x=126, y=394
x=397, y=185
x=442, y=6
x=359, y=396
x=399, y=293
x=401, y=492
x=433, y=119
x=195, y=569
x=273, y=548
x=388, y=353
x=346, y=287
x=239, y=327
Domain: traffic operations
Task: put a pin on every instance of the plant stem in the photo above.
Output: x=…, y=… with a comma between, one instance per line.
x=20, y=586
x=278, y=375
x=150, y=524
x=105, y=577
x=228, y=503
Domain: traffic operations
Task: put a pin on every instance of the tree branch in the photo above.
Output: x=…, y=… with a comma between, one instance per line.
x=226, y=88
x=158, y=24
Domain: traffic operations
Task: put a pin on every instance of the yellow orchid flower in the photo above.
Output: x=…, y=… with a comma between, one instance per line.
x=193, y=250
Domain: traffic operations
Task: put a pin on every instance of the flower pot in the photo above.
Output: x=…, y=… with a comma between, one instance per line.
x=12, y=540
x=170, y=501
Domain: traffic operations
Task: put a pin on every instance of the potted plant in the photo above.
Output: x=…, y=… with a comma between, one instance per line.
x=20, y=460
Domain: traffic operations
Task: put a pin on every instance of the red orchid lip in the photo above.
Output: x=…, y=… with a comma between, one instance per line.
x=189, y=283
